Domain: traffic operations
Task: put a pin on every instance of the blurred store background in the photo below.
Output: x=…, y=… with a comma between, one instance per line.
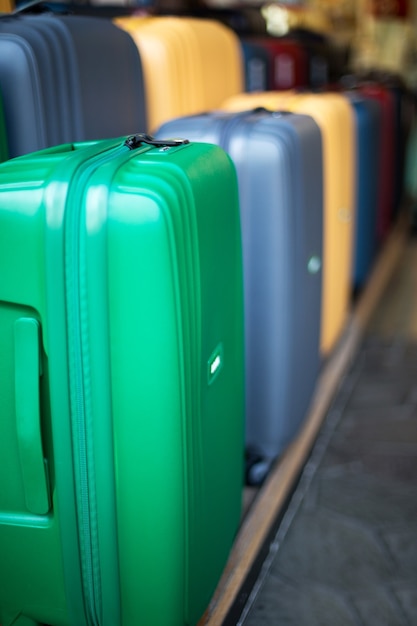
x=375, y=34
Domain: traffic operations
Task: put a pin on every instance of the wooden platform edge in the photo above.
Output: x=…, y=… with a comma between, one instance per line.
x=273, y=494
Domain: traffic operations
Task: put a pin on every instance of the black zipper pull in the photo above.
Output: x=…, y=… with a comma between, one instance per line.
x=134, y=141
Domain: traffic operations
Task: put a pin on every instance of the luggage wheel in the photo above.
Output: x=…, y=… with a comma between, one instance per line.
x=256, y=468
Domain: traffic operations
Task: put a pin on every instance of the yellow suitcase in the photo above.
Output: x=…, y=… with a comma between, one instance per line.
x=334, y=115
x=190, y=65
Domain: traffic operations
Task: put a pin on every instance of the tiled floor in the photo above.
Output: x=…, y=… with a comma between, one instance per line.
x=346, y=551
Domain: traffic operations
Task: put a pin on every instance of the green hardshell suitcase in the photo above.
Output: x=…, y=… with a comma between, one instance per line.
x=121, y=382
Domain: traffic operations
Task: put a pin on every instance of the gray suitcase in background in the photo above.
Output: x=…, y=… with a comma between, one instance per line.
x=67, y=78
x=278, y=159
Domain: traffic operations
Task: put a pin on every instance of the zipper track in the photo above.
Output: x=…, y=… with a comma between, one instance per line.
x=79, y=380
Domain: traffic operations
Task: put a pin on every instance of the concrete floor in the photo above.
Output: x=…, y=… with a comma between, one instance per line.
x=345, y=553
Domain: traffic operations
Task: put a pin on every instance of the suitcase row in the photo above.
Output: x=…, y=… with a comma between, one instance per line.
x=300, y=274
x=142, y=70
x=139, y=279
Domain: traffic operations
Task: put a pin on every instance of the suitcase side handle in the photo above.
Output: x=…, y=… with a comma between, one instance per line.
x=28, y=415
x=134, y=141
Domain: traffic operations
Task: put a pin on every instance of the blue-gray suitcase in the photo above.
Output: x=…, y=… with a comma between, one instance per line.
x=278, y=159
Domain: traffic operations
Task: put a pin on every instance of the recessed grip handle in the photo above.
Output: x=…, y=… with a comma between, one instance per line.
x=28, y=414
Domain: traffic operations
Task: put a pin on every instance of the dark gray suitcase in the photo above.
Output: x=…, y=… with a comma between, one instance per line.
x=278, y=159
x=4, y=153
x=27, y=81
x=68, y=78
